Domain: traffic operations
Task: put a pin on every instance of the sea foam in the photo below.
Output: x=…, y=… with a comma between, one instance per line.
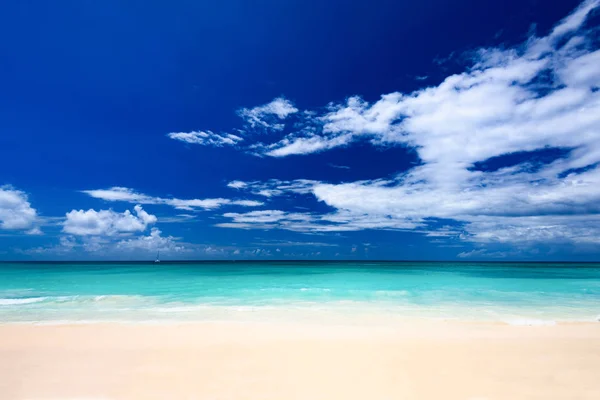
x=12, y=302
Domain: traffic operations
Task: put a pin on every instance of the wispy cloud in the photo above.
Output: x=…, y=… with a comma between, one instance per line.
x=543, y=94
x=340, y=221
x=151, y=243
x=179, y=218
x=298, y=145
x=482, y=253
x=131, y=196
x=206, y=138
x=339, y=166
x=499, y=97
x=270, y=115
x=274, y=187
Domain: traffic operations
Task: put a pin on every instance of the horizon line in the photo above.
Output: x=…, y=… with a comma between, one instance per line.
x=292, y=260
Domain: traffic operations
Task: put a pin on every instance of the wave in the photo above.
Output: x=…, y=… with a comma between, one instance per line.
x=13, y=301
x=76, y=299
x=384, y=304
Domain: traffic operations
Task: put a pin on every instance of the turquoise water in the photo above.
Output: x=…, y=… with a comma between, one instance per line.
x=362, y=292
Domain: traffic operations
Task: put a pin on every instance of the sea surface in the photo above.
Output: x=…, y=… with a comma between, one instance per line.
x=336, y=292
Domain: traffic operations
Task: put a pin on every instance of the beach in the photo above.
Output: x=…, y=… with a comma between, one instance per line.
x=299, y=330
x=212, y=360
x=281, y=200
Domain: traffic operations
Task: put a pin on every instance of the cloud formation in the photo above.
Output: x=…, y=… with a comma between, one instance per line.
x=151, y=243
x=114, y=246
x=270, y=115
x=16, y=212
x=297, y=144
x=107, y=222
x=207, y=138
x=274, y=187
x=482, y=253
x=131, y=196
x=542, y=96
x=542, y=93
x=340, y=221
x=111, y=233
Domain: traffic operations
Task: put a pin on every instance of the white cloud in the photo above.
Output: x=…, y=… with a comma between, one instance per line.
x=574, y=20
x=111, y=234
x=495, y=207
x=67, y=242
x=582, y=229
x=206, y=204
x=131, y=196
x=268, y=115
x=236, y=184
x=151, y=243
x=259, y=253
x=247, y=203
x=543, y=94
x=178, y=218
x=275, y=187
x=294, y=145
x=266, y=216
x=206, y=138
x=493, y=108
x=117, y=193
x=34, y=231
x=16, y=211
x=264, y=219
x=482, y=253
x=106, y=222
x=114, y=246
x=309, y=222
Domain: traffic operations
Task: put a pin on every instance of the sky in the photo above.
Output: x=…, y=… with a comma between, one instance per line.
x=378, y=129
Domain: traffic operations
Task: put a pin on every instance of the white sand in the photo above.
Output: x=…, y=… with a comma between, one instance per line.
x=441, y=360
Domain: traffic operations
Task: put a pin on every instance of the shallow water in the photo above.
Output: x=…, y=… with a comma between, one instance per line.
x=518, y=293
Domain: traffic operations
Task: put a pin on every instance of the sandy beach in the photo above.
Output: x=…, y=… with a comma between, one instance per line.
x=437, y=360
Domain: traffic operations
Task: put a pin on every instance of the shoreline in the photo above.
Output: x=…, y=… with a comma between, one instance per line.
x=334, y=318
x=229, y=360
x=397, y=323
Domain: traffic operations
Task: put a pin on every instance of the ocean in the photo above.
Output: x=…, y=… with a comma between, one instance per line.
x=320, y=292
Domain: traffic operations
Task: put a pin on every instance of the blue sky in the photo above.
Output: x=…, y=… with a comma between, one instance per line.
x=337, y=130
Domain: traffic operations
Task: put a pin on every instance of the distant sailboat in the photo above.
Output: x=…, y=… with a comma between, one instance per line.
x=157, y=257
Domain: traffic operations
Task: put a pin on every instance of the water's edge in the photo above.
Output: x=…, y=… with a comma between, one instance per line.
x=378, y=293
